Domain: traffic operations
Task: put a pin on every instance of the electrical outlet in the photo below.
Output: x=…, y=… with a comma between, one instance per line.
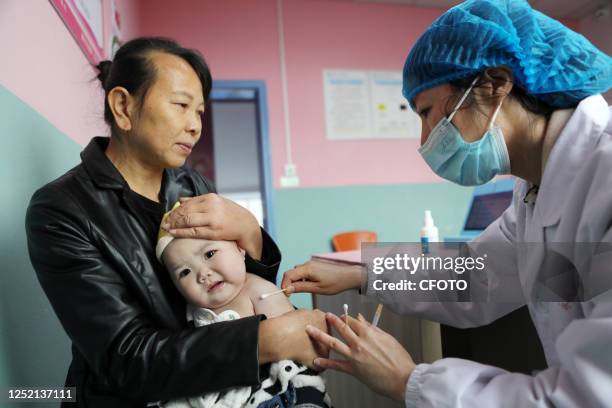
x=291, y=181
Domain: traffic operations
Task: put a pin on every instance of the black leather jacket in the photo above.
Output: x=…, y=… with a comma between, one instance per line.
x=131, y=343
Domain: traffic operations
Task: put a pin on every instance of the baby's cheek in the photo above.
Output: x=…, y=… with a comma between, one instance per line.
x=238, y=274
x=189, y=290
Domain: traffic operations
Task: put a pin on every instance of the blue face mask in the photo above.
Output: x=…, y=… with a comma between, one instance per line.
x=468, y=164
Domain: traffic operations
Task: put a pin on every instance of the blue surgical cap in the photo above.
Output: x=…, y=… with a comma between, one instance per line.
x=547, y=59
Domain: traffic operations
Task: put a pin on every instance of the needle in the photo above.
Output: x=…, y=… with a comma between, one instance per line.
x=345, y=306
x=377, y=314
x=265, y=295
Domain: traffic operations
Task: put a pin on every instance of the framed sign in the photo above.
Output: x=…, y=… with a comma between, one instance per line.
x=84, y=20
x=367, y=104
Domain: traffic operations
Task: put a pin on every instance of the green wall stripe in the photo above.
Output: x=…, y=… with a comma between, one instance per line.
x=34, y=350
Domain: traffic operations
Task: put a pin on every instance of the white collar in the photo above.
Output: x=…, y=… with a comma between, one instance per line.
x=203, y=316
x=577, y=138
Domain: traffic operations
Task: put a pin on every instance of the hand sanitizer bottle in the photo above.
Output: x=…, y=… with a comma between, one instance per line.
x=430, y=331
x=429, y=232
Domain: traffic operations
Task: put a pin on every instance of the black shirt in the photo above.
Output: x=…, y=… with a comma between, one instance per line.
x=148, y=212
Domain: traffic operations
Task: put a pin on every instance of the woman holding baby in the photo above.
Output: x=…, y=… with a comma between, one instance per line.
x=92, y=235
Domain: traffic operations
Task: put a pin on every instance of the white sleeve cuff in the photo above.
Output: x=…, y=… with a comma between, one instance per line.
x=413, y=388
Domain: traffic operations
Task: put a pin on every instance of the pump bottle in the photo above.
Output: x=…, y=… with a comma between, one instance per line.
x=429, y=232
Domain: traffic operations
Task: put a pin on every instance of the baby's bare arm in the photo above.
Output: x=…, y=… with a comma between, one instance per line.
x=271, y=306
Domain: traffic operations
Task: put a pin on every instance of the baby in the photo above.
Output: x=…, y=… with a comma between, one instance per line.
x=212, y=277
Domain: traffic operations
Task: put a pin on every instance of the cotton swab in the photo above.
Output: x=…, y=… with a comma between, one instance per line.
x=345, y=306
x=377, y=314
x=265, y=295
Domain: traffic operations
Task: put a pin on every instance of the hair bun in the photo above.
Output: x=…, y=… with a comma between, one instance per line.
x=104, y=68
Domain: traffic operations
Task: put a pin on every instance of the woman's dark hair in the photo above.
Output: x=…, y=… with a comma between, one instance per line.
x=529, y=102
x=133, y=69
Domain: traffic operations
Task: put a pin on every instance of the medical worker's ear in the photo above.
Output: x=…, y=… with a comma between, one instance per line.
x=497, y=83
x=121, y=104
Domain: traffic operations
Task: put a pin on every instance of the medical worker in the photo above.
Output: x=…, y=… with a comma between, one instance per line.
x=502, y=89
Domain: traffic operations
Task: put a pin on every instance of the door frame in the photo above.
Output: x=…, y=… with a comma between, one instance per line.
x=229, y=90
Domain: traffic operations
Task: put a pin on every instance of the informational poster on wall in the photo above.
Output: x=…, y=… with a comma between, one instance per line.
x=84, y=19
x=346, y=104
x=362, y=104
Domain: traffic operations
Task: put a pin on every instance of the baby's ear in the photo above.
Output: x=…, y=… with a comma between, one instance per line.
x=242, y=251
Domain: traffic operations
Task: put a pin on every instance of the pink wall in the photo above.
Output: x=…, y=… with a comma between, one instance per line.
x=239, y=40
x=42, y=65
x=324, y=34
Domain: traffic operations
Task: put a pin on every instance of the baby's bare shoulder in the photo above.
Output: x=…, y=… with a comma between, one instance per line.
x=271, y=306
x=257, y=284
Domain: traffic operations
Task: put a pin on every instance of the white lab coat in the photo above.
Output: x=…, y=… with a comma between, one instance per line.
x=574, y=204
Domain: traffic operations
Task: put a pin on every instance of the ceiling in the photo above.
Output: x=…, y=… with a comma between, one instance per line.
x=572, y=9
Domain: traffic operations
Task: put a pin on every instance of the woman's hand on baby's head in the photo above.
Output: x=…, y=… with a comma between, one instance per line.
x=213, y=217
